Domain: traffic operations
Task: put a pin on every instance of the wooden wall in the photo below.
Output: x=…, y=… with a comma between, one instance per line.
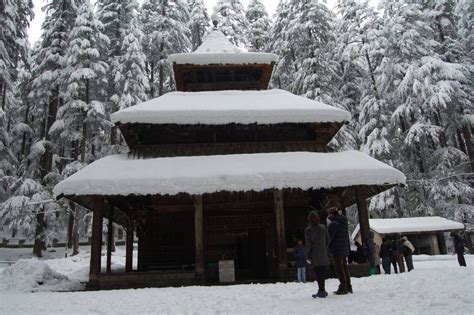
x=147, y=140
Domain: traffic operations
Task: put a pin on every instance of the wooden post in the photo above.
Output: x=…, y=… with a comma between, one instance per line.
x=110, y=239
x=280, y=234
x=199, y=238
x=363, y=214
x=129, y=246
x=96, y=246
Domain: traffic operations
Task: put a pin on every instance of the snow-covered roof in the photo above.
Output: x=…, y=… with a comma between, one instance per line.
x=410, y=225
x=224, y=107
x=121, y=175
x=217, y=49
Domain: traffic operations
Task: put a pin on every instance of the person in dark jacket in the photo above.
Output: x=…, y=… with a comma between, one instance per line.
x=394, y=255
x=459, y=248
x=400, y=258
x=360, y=256
x=385, y=255
x=300, y=258
x=369, y=242
x=317, y=242
x=339, y=248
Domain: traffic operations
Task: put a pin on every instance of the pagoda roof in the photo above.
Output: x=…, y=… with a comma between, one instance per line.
x=217, y=49
x=121, y=175
x=225, y=107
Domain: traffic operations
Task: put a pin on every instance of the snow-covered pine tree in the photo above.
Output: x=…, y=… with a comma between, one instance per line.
x=423, y=92
x=283, y=75
x=198, y=23
x=310, y=36
x=259, y=26
x=165, y=25
x=48, y=73
x=232, y=21
x=15, y=19
x=130, y=81
x=81, y=120
x=83, y=115
x=121, y=26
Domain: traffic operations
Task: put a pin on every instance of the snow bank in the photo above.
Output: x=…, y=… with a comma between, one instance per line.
x=31, y=275
x=411, y=225
x=224, y=107
x=216, y=49
x=121, y=175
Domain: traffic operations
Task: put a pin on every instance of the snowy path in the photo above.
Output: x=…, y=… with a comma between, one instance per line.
x=434, y=287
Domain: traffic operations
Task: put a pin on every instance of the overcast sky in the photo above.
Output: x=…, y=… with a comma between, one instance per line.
x=35, y=28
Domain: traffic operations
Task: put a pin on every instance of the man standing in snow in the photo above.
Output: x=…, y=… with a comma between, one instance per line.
x=400, y=259
x=317, y=242
x=459, y=248
x=339, y=249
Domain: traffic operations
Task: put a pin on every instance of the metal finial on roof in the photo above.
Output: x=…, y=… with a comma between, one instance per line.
x=215, y=20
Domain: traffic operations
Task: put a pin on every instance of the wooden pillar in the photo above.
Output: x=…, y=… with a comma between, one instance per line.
x=199, y=238
x=280, y=234
x=363, y=214
x=110, y=239
x=434, y=244
x=129, y=246
x=96, y=246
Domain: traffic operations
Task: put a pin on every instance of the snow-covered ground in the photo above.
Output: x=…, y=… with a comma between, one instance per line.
x=436, y=286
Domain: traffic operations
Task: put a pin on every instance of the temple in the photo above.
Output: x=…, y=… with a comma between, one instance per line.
x=222, y=170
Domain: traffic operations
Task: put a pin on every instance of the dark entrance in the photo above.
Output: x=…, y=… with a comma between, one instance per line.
x=246, y=239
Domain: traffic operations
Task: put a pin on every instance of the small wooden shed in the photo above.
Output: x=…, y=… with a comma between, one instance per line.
x=220, y=170
x=425, y=233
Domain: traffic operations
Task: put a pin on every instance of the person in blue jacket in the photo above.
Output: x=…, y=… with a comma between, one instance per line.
x=300, y=258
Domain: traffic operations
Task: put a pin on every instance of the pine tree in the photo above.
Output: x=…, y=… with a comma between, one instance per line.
x=310, y=36
x=259, y=26
x=164, y=23
x=232, y=21
x=48, y=73
x=121, y=26
x=130, y=81
x=283, y=75
x=82, y=116
x=15, y=18
x=198, y=23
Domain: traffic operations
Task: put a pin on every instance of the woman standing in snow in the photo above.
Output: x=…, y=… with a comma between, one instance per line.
x=317, y=242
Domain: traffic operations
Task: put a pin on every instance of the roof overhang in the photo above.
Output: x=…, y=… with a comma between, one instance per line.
x=119, y=175
x=411, y=225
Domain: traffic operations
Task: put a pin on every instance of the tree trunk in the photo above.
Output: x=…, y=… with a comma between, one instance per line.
x=46, y=165
x=39, y=244
x=152, y=79
x=469, y=146
x=4, y=96
x=23, y=139
x=75, y=231
x=70, y=224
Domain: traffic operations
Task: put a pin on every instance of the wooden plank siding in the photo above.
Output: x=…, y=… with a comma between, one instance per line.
x=194, y=78
x=163, y=140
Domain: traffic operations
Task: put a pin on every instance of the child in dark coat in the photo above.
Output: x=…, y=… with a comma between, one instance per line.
x=300, y=257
